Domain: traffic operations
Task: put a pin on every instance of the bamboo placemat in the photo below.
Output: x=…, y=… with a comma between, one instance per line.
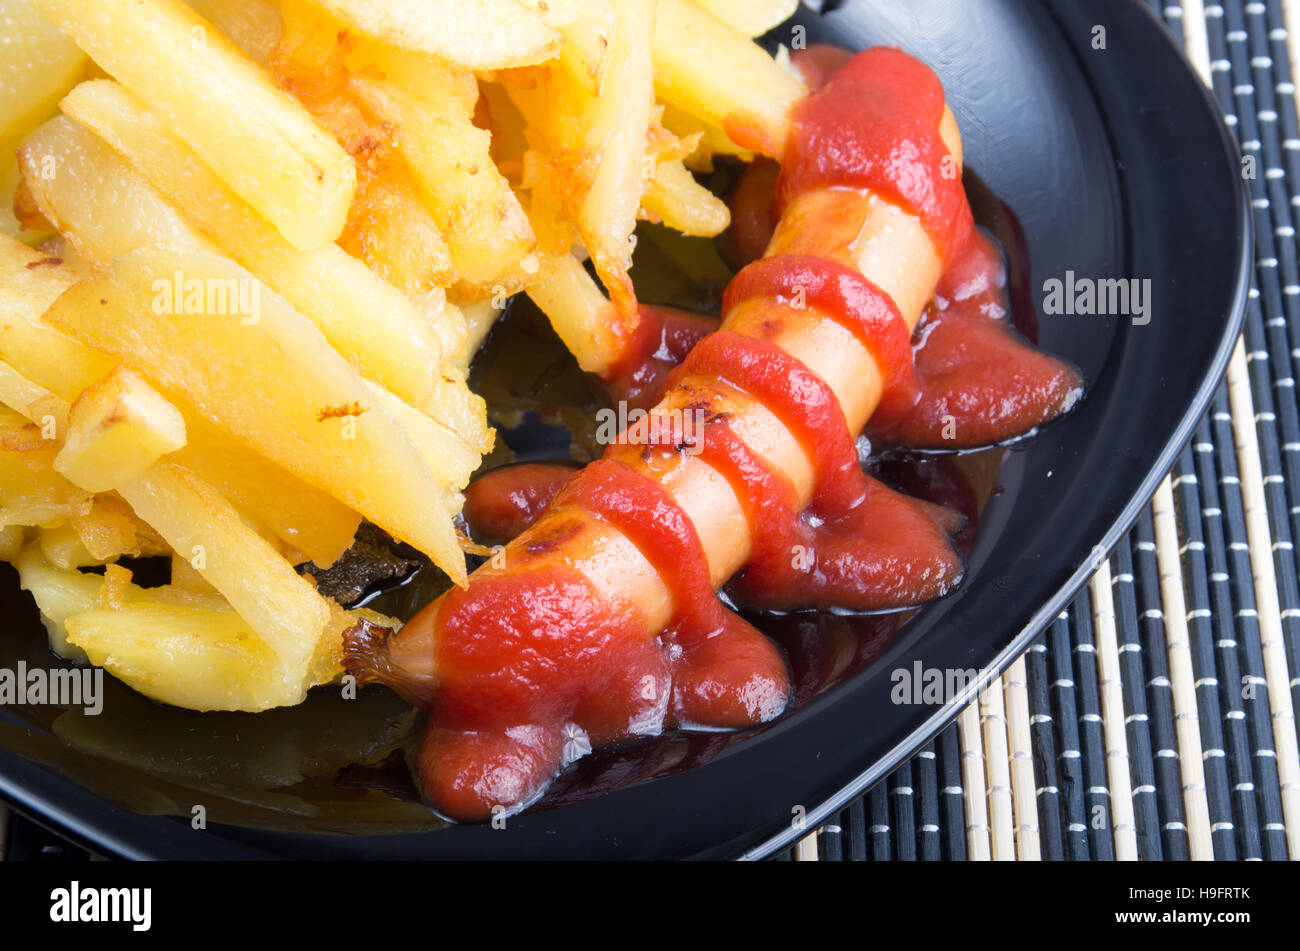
x=1155, y=719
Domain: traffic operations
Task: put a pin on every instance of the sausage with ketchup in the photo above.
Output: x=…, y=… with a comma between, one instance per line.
x=601, y=623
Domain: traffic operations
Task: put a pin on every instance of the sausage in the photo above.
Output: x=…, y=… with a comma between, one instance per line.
x=504, y=503
x=600, y=624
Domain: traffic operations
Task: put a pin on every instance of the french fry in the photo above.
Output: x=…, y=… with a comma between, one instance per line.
x=29, y=282
x=28, y=216
x=252, y=25
x=445, y=453
x=580, y=314
x=40, y=360
x=474, y=34
x=712, y=140
x=97, y=202
x=682, y=203
x=547, y=194
x=195, y=520
x=198, y=658
x=601, y=148
x=117, y=428
x=252, y=134
x=11, y=542
x=299, y=514
x=19, y=393
x=368, y=321
x=506, y=124
x=450, y=157
x=588, y=27
x=479, y=319
x=448, y=322
x=60, y=248
x=185, y=577
x=750, y=100
x=111, y=530
x=388, y=226
x=31, y=491
x=9, y=223
x=51, y=359
x=294, y=398
x=180, y=645
x=750, y=17
x=38, y=64
x=392, y=232
x=63, y=547
x=202, y=656
x=416, y=73
x=58, y=595
x=460, y=410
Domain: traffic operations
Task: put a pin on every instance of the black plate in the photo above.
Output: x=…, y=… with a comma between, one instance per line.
x=1117, y=164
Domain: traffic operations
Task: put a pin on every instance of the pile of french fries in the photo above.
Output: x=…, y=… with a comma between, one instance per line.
x=249, y=250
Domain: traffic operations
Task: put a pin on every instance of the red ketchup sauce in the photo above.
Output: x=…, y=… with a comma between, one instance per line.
x=534, y=668
x=502, y=503
x=518, y=699
x=980, y=382
x=875, y=125
x=859, y=545
x=662, y=338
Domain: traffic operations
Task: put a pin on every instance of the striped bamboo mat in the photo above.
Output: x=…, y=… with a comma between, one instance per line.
x=1154, y=718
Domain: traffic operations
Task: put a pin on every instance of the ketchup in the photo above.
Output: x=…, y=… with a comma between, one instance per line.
x=980, y=382
x=662, y=337
x=876, y=126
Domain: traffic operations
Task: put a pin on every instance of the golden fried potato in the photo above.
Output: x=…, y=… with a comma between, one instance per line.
x=100, y=206
x=601, y=148
x=117, y=429
x=252, y=134
x=750, y=17
x=749, y=99
x=110, y=530
x=298, y=513
x=366, y=319
x=588, y=28
x=38, y=64
x=275, y=601
x=29, y=282
x=471, y=201
x=474, y=34
x=252, y=25
x=294, y=399
x=31, y=491
x=682, y=203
